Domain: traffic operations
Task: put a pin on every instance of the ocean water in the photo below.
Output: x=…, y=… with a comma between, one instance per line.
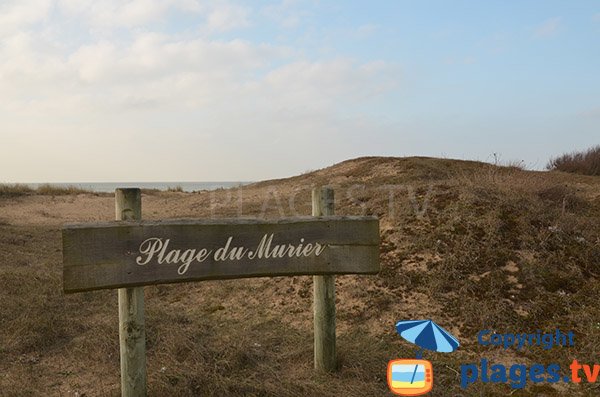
x=109, y=187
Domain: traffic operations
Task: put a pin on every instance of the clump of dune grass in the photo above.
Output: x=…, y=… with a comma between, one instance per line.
x=178, y=189
x=49, y=190
x=586, y=162
x=15, y=189
x=18, y=189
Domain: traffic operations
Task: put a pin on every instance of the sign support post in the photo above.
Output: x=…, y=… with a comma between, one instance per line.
x=132, y=253
x=324, y=295
x=132, y=332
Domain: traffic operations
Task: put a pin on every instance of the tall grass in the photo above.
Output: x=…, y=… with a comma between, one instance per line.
x=18, y=189
x=177, y=188
x=585, y=162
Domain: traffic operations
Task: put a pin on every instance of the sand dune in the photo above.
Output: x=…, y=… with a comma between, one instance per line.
x=470, y=245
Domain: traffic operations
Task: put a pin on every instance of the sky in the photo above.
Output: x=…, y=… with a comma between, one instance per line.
x=186, y=90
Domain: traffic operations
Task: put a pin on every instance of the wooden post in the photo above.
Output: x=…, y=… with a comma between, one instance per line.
x=324, y=295
x=132, y=332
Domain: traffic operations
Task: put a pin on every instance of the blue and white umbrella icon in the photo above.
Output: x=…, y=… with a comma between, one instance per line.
x=427, y=335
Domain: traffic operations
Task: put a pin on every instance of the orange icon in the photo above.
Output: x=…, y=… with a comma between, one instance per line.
x=408, y=377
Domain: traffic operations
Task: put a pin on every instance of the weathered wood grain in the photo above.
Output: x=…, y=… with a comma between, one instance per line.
x=132, y=328
x=325, y=358
x=104, y=255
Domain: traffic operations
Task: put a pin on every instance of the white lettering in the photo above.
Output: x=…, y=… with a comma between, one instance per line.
x=157, y=249
x=221, y=253
x=148, y=247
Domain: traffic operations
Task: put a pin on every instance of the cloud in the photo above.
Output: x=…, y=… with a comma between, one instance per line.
x=108, y=14
x=596, y=17
x=548, y=28
x=228, y=17
x=18, y=15
x=218, y=16
x=85, y=75
x=323, y=86
x=153, y=69
x=147, y=68
x=288, y=14
x=159, y=71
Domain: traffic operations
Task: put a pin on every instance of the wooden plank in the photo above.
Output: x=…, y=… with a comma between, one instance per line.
x=132, y=329
x=324, y=295
x=119, y=254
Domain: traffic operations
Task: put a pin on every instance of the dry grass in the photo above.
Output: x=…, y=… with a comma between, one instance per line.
x=15, y=190
x=177, y=189
x=586, y=162
x=468, y=244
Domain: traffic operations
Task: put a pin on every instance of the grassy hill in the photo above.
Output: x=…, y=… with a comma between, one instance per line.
x=470, y=245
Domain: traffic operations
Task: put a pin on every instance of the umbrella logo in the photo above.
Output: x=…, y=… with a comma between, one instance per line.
x=414, y=377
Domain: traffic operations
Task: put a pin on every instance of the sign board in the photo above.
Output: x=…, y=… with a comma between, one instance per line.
x=125, y=254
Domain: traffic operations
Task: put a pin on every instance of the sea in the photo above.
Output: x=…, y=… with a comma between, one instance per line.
x=109, y=187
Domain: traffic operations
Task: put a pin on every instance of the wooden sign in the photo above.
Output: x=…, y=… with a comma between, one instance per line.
x=125, y=254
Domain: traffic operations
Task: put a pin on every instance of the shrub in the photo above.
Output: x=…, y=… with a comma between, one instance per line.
x=586, y=162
